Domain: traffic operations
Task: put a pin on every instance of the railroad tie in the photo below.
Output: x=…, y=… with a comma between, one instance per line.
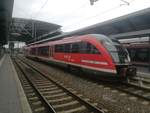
x=60, y=100
x=79, y=109
x=65, y=104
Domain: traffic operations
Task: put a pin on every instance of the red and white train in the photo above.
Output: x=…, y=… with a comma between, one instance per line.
x=93, y=52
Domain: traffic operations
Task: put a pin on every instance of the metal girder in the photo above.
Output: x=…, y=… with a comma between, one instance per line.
x=30, y=29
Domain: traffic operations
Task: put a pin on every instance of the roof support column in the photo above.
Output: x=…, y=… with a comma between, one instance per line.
x=149, y=52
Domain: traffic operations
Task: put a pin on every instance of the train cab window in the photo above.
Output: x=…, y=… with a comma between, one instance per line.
x=109, y=45
x=88, y=48
x=92, y=49
x=43, y=51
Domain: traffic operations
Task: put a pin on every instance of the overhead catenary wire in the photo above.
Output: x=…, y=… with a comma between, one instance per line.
x=101, y=13
x=36, y=14
x=127, y=3
x=85, y=19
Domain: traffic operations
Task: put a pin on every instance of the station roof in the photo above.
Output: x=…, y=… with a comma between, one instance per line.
x=131, y=25
x=29, y=30
x=6, y=7
x=128, y=26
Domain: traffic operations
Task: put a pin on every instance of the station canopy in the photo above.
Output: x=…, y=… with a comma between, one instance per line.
x=127, y=26
x=132, y=25
x=6, y=7
x=28, y=30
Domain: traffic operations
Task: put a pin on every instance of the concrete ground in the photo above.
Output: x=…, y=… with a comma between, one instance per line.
x=12, y=98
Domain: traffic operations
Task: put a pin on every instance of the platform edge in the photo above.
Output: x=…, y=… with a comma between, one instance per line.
x=23, y=100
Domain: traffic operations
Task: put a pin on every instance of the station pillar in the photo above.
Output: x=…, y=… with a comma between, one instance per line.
x=1, y=51
x=149, y=52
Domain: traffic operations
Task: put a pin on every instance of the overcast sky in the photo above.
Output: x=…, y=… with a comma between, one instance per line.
x=75, y=14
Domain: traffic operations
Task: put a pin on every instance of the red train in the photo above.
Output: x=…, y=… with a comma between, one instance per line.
x=93, y=52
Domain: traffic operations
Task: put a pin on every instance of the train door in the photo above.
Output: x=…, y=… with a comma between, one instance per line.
x=74, y=54
x=51, y=51
x=66, y=52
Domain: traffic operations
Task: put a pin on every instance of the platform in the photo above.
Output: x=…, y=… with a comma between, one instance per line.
x=12, y=97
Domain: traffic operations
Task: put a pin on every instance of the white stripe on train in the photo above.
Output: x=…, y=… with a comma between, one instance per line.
x=80, y=65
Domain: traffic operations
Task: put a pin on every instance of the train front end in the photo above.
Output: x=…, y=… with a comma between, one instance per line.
x=120, y=57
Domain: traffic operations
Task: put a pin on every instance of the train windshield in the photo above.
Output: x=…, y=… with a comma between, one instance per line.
x=117, y=51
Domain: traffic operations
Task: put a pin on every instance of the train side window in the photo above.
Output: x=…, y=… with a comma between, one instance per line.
x=67, y=48
x=75, y=48
x=89, y=48
x=56, y=48
x=43, y=51
x=59, y=48
x=83, y=46
x=62, y=48
x=33, y=51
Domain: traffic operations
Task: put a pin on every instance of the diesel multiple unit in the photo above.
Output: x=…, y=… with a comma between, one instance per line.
x=92, y=52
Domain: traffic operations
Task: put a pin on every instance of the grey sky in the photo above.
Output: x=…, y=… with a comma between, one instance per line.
x=75, y=14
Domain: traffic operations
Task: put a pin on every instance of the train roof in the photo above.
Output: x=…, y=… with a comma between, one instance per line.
x=100, y=36
x=72, y=39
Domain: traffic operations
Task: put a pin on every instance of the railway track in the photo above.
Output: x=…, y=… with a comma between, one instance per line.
x=140, y=81
x=47, y=95
x=134, y=90
x=129, y=88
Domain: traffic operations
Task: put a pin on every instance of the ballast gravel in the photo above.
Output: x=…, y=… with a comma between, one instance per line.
x=110, y=99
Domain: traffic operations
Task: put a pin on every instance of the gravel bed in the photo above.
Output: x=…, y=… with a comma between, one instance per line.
x=112, y=100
